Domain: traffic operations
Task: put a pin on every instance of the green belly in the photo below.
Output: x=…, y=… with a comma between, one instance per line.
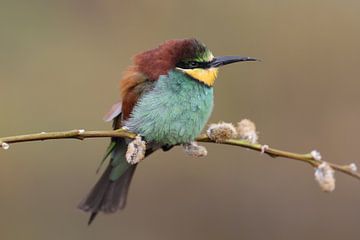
x=174, y=111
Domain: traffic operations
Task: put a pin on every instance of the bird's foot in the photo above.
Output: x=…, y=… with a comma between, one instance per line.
x=195, y=150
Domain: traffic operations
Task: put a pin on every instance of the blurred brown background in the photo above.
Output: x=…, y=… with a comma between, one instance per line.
x=60, y=62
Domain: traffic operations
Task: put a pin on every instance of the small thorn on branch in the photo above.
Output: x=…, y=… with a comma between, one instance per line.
x=352, y=167
x=79, y=134
x=4, y=145
x=316, y=155
x=264, y=148
x=81, y=131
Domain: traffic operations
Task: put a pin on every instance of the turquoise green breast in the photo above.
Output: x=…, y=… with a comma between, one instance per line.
x=175, y=111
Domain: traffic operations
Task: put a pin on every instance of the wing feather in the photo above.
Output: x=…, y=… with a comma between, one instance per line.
x=132, y=86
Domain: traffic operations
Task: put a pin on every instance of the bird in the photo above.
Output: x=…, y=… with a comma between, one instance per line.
x=166, y=98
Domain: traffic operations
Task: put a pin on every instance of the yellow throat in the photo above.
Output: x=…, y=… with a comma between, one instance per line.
x=206, y=76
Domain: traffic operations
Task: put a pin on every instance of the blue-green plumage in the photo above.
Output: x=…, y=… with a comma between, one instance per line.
x=167, y=98
x=174, y=111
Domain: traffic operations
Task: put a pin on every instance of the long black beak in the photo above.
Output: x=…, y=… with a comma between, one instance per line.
x=224, y=60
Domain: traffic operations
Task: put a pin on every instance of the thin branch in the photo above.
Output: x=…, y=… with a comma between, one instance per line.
x=82, y=134
x=75, y=134
x=307, y=157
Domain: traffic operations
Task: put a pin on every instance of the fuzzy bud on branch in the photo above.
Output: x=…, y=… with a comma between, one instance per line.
x=219, y=132
x=195, y=150
x=246, y=130
x=136, y=150
x=324, y=175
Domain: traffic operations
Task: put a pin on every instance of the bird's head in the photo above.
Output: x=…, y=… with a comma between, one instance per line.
x=186, y=55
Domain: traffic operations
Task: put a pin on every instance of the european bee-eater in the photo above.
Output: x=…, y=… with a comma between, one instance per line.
x=167, y=98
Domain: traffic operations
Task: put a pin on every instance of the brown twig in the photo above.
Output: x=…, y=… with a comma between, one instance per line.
x=81, y=134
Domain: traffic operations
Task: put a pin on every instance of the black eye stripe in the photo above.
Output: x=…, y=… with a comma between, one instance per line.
x=193, y=64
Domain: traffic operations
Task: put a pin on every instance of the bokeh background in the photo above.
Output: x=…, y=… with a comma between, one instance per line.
x=60, y=63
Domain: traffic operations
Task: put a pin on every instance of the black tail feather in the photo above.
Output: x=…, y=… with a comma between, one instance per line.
x=92, y=217
x=108, y=196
